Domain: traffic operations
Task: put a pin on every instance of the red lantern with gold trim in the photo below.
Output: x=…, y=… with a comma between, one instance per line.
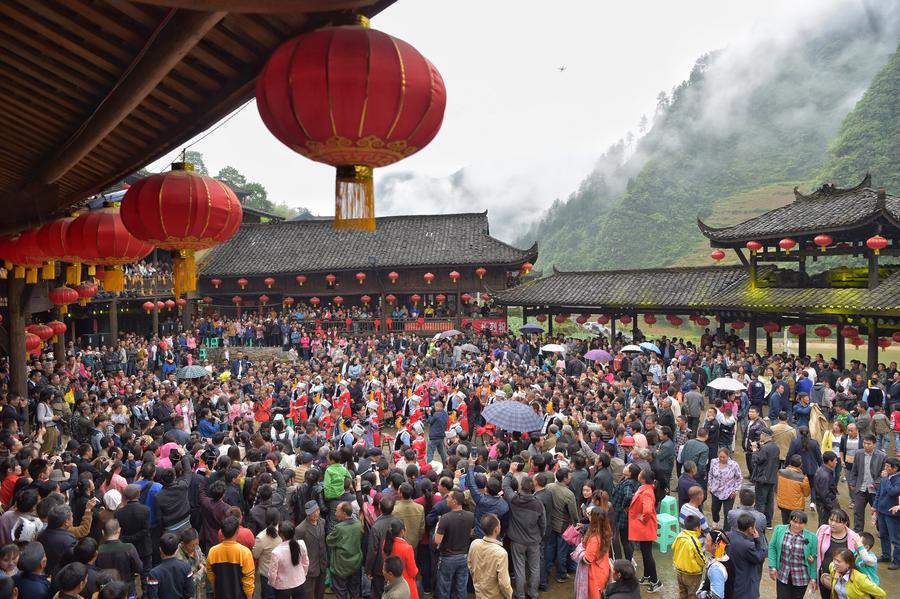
x=415, y=298
x=181, y=211
x=541, y=318
x=314, y=301
x=466, y=298
x=58, y=328
x=338, y=300
x=361, y=277
x=454, y=276
x=797, y=329
x=86, y=291
x=365, y=299
x=148, y=306
x=429, y=277
x=216, y=282
x=481, y=271
x=100, y=238
x=242, y=283
x=330, y=280
x=300, y=279
x=526, y=268
x=393, y=277
x=269, y=281
x=877, y=243
x=353, y=98
x=754, y=246
x=787, y=244
x=440, y=298
x=823, y=241
x=288, y=301
x=390, y=298
x=170, y=304
x=181, y=302
x=717, y=255
x=30, y=246
x=161, y=305
x=62, y=297
x=32, y=343
x=236, y=300
x=42, y=331
x=263, y=299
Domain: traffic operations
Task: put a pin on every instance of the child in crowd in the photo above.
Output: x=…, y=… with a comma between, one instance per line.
x=866, y=562
x=9, y=557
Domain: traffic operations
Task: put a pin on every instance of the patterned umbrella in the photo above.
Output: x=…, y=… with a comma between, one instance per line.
x=192, y=372
x=531, y=328
x=513, y=416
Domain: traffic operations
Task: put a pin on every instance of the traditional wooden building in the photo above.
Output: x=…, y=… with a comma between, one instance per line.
x=443, y=259
x=828, y=259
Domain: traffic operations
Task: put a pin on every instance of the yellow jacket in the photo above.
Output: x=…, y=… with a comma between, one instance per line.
x=687, y=553
x=859, y=586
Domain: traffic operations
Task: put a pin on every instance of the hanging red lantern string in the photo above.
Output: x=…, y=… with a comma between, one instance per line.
x=99, y=237
x=181, y=211
x=877, y=243
x=386, y=104
x=86, y=291
x=754, y=246
x=58, y=328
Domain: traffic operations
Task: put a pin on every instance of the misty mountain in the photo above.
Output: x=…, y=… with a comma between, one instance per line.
x=746, y=117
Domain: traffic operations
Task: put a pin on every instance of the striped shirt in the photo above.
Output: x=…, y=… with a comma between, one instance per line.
x=689, y=510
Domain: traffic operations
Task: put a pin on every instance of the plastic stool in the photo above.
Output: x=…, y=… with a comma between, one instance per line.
x=214, y=342
x=667, y=529
x=669, y=505
x=202, y=353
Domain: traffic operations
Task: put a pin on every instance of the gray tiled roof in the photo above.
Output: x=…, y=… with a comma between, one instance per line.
x=304, y=246
x=827, y=210
x=705, y=288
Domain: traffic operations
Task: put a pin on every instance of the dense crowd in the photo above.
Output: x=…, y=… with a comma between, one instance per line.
x=365, y=465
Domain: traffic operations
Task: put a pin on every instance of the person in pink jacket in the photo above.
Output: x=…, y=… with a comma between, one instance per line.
x=642, y=526
x=833, y=537
x=288, y=565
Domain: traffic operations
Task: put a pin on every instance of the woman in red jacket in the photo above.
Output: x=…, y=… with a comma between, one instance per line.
x=642, y=526
x=395, y=544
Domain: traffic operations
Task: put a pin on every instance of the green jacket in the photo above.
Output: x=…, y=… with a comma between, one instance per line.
x=809, y=552
x=345, y=541
x=334, y=480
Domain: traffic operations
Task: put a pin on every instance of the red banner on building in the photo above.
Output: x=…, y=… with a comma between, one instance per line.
x=495, y=326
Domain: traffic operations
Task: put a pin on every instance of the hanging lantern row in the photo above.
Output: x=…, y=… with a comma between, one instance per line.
x=62, y=297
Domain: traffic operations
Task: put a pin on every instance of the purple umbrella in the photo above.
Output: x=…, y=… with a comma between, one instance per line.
x=598, y=355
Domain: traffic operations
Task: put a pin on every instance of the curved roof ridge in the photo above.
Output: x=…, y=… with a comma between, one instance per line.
x=831, y=189
x=631, y=271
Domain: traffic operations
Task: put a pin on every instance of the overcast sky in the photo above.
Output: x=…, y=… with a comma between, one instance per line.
x=510, y=111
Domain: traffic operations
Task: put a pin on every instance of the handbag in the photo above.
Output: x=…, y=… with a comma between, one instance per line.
x=572, y=536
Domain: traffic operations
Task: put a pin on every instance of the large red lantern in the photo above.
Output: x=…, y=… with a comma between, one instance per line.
x=797, y=329
x=429, y=277
x=181, y=302
x=58, y=328
x=822, y=332
x=242, y=283
x=877, y=243
x=393, y=277
x=16, y=256
x=717, y=255
x=338, y=300
x=857, y=341
x=288, y=301
x=99, y=237
x=170, y=304
x=823, y=241
x=737, y=325
x=365, y=299
x=360, y=276
x=849, y=332
x=330, y=279
x=896, y=336
x=236, y=300
x=85, y=291
x=216, y=282
x=454, y=276
x=771, y=327
x=415, y=298
x=603, y=319
x=526, y=268
x=52, y=238
x=466, y=298
x=650, y=319
x=481, y=271
x=263, y=299
x=62, y=297
x=787, y=244
x=354, y=98
x=561, y=318
x=300, y=279
x=314, y=301
x=148, y=306
x=754, y=246
x=31, y=250
x=541, y=318
x=390, y=298
x=32, y=343
x=625, y=319
x=182, y=211
x=702, y=321
x=884, y=343
x=675, y=321
x=440, y=297
x=269, y=281
x=42, y=331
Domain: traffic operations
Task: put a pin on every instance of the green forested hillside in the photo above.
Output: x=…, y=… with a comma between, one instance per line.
x=741, y=121
x=869, y=138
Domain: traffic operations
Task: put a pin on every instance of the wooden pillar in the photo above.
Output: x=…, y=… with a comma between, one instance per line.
x=524, y=316
x=873, y=270
x=635, y=328
x=769, y=343
x=872, y=355
x=187, y=315
x=15, y=328
x=612, y=328
x=549, y=323
x=114, y=319
x=751, y=343
x=752, y=270
x=154, y=326
x=841, y=346
x=801, y=343
x=59, y=348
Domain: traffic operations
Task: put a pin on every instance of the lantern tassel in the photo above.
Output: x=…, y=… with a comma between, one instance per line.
x=19, y=272
x=48, y=271
x=354, y=199
x=114, y=279
x=31, y=276
x=73, y=274
x=185, y=272
x=92, y=270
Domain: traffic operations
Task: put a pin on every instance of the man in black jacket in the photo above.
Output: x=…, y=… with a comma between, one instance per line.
x=172, y=505
x=134, y=520
x=525, y=530
x=825, y=487
x=765, y=459
x=172, y=578
x=56, y=538
x=113, y=554
x=374, y=560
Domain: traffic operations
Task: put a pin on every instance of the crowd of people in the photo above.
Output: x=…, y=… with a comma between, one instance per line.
x=364, y=465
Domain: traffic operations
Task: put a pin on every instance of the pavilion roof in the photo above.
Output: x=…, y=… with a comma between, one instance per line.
x=302, y=246
x=95, y=89
x=713, y=288
x=829, y=210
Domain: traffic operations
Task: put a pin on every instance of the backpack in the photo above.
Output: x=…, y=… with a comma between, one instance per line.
x=704, y=592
